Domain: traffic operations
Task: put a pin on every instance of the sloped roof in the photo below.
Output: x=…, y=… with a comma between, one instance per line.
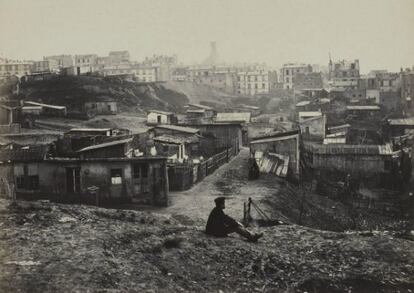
x=32, y=153
x=178, y=128
x=302, y=103
x=310, y=114
x=160, y=112
x=105, y=144
x=402, y=122
x=45, y=105
x=200, y=106
x=233, y=117
x=176, y=139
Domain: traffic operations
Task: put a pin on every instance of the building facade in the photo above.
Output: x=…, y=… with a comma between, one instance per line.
x=289, y=71
x=344, y=74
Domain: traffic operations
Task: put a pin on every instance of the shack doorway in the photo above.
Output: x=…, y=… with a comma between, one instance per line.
x=73, y=180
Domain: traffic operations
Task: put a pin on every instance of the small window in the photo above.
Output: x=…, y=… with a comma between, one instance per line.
x=116, y=176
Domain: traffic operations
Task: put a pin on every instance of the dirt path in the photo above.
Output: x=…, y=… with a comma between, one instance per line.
x=230, y=180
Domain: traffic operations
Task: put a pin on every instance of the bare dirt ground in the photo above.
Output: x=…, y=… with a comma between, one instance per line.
x=230, y=181
x=47, y=247
x=276, y=197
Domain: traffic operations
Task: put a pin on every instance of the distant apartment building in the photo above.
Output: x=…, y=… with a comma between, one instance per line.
x=344, y=74
x=309, y=80
x=289, y=71
x=179, y=74
x=407, y=89
x=63, y=61
x=45, y=66
x=144, y=73
x=222, y=78
x=253, y=82
x=118, y=57
x=164, y=66
x=85, y=63
x=11, y=67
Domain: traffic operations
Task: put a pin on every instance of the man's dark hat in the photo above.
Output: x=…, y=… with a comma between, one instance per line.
x=219, y=200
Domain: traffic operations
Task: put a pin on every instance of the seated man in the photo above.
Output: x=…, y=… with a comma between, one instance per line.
x=220, y=225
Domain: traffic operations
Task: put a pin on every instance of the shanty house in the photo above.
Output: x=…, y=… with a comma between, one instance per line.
x=219, y=136
x=350, y=159
x=280, y=143
x=197, y=113
x=313, y=128
x=363, y=111
x=106, y=168
x=161, y=117
x=105, y=106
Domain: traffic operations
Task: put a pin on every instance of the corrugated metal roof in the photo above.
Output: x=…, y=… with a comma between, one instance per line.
x=178, y=128
x=232, y=117
x=105, y=144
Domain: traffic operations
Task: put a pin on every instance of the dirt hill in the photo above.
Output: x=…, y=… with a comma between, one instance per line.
x=74, y=91
x=47, y=247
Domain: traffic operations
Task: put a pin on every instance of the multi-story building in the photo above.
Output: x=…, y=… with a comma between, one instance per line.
x=310, y=80
x=253, y=82
x=164, y=65
x=118, y=57
x=63, y=61
x=11, y=67
x=289, y=71
x=86, y=60
x=407, y=89
x=222, y=78
x=45, y=66
x=144, y=73
x=344, y=74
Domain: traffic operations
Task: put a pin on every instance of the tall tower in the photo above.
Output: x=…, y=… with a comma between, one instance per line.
x=213, y=57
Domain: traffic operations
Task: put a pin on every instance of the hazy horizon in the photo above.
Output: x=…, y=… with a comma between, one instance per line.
x=378, y=33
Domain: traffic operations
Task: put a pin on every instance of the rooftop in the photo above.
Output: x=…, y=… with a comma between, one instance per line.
x=176, y=139
x=105, y=144
x=302, y=103
x=160, y=112
x=362, y=108
x=45, y=105
x=233, y=117
x=200, y=106
x=402, y=122
x=178, y=128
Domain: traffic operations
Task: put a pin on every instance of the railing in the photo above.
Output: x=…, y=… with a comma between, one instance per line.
x=182, y=177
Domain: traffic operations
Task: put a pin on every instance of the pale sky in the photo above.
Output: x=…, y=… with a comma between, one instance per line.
x=380, y=33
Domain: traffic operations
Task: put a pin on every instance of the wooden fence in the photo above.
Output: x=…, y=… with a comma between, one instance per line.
x=183, y=176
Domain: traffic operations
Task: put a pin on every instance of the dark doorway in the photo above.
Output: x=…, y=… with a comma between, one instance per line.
x=73, y=180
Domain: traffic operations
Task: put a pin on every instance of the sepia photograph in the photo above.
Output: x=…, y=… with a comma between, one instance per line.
x=223, y=146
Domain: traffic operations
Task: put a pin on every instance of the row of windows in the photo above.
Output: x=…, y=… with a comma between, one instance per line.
x=256, y=86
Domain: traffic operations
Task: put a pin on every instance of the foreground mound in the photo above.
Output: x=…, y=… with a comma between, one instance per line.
x=49, y=247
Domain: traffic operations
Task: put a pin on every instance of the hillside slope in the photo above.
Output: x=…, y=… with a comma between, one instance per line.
x=47, y=247
x=74, y=91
